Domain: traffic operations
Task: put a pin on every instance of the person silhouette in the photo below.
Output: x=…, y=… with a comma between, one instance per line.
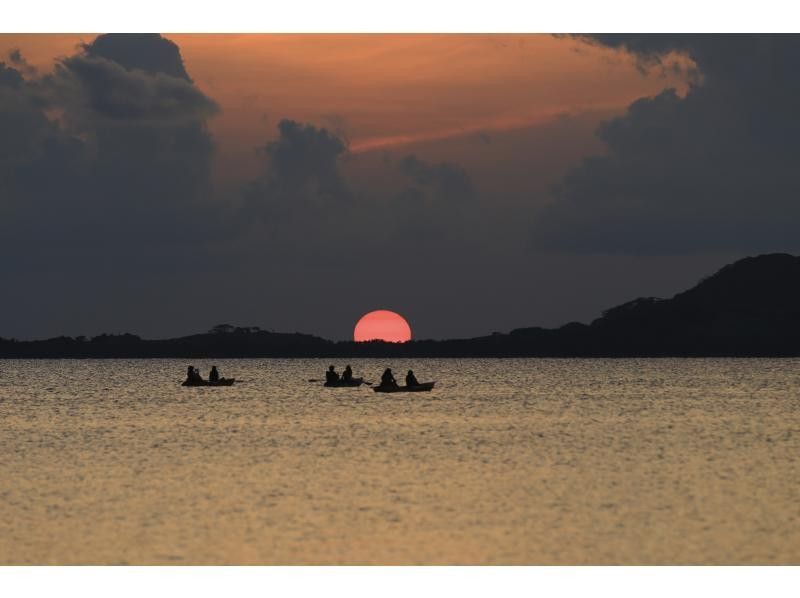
x=331, y=377
x=387, y=379
x=347, y=375
x=411, y=379
x=213, y=375
x=193, y=375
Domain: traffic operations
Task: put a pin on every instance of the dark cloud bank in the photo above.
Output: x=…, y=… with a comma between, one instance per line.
x=714, y=170
x=108, y=202
x=109, y=219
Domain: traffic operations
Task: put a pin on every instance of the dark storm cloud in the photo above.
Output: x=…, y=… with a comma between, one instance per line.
x=714, y=170
x=311, y=220
x=305, y=155
x=127, y=79
x=10, y=77
x=16, y=58
x=301, y=178
x=105, y=161
x=108, y=209
x=449, y=182
x=107, y=90
x=36, y=155
x=338, y=125
x=148, y=52
x=436, y=204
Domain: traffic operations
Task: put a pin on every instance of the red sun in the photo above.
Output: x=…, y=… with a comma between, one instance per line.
x=382, y=325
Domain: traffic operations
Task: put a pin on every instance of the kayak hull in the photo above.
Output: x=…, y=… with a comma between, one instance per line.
x=220, y=382
x=355, y=382
x=424, y=387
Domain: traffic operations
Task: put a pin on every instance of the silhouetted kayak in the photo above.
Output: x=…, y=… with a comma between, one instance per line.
x=220, y=382
x=345, y=383
x=424, y=387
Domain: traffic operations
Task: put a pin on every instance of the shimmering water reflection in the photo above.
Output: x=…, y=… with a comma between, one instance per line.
x=507, y=461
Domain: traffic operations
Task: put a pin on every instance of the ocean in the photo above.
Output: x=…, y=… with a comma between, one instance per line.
x=515, y=461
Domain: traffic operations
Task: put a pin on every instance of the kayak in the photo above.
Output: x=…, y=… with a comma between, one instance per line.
x=220, y=382
x=424, y=387
x=344, y=384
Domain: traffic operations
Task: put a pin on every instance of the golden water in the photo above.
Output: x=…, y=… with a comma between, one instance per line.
x=507, y=461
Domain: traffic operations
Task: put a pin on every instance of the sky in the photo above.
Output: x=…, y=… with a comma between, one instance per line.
x=163, y=184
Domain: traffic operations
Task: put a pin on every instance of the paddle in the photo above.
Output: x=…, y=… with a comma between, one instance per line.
x=320, y=380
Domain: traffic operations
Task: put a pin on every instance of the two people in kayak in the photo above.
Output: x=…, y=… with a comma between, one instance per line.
x=388, y=381
x=332, y=376
x=193, y=375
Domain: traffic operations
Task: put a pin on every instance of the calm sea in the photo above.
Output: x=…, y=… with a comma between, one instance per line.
x=507, y=461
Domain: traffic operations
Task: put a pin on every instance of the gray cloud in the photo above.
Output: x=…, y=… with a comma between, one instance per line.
x=711, y=171
x=108, y=202
x=449, y=182
x=103, y=158
x=148, y=52
x=10, y=77
x=301, y=178
x=37, y=158
x=108, y=209
x=304, y=155
x=106, y=92
x=437, y=203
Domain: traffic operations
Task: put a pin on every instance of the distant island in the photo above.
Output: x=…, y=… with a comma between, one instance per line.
x=750, y=308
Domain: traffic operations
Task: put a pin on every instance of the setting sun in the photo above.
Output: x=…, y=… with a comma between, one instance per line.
x=382, y=325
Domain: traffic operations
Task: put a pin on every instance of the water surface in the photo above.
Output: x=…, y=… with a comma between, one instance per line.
x=507, y=461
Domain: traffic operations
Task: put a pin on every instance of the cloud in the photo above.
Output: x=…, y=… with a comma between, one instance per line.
x=304, y=154
x=129, y=80
x=433, y=204
x=303, y=199
x=34, y=152
x=10, y=77
x=301, y=175
x=449, y=182
x=106, y=157
x=109, y=91
x=109, y=210
x=712, y=171
x=148, y=52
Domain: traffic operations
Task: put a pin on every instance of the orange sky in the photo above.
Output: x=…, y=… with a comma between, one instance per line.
x=385, y=91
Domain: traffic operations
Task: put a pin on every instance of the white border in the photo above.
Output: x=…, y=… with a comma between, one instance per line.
x=401, y=582
x=394, y=17
x=425, y=16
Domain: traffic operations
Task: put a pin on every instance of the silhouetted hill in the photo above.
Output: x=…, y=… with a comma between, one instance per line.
x=748, y=308
x=236, y=342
